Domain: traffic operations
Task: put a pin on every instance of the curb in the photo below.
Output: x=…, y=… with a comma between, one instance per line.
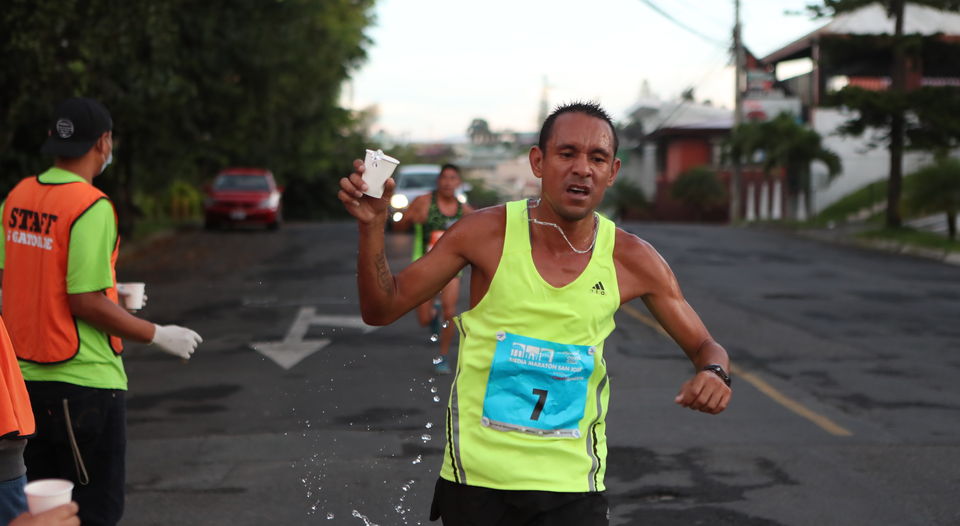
x=891, y=247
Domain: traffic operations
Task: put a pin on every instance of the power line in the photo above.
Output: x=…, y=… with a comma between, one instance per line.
x=668, y=16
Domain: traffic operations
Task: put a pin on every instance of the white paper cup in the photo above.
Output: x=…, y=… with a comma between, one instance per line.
x=379, y=168
x=46, y=494
x=131, y=294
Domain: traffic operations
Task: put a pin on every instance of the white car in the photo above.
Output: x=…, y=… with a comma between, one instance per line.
x=414, y=180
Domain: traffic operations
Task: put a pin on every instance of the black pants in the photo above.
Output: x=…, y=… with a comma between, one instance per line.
x=462, y=505
x=98, y=418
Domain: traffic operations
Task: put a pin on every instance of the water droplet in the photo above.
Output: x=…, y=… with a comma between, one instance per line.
x=417, y=460
x=329, y=516
x=436, y=398
x=434, y=389
x=429, y=425
x=434, y=338
x=432, y=379
x=445, y=324
x=425, y=437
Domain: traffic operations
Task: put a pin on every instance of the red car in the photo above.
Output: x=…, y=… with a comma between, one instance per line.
x=243, y=196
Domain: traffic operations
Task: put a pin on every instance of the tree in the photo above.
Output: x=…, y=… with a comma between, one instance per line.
x=700, y=188
x=936, y=188
x=888, y=111
x=784, y=143
x=479, y=132
x=193, y=87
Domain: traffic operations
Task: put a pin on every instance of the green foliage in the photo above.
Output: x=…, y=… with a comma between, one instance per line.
x=934, y=123
x=193, y=87
x=700, y=188
x=936, y=188
x=783, y=143
x=864, y=198
x=625, y=198
x=481, y=195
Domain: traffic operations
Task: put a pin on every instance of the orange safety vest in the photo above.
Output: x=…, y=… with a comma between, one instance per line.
x=38, y=219
x=16, y=416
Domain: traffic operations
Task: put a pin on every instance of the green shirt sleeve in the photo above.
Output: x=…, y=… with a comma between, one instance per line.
x=92, y=238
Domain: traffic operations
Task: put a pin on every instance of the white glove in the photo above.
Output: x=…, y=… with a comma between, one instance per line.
x=176, y=340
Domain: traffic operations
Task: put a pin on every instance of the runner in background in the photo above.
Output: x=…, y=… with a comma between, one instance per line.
x=432, y=214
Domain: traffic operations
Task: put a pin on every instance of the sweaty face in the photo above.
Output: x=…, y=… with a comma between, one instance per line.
x=577, y=166
x=447, y=182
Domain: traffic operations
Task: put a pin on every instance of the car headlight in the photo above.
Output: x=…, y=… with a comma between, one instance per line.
x=271, y=202
x=399, y=201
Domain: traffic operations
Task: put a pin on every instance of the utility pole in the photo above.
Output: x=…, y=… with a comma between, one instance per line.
x=898, y=86
x=735, y=174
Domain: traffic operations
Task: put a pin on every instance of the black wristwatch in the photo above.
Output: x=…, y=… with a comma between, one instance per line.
x=717, y=369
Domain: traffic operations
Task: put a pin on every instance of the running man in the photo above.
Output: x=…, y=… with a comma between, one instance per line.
x=526, y=441
x=434, y=213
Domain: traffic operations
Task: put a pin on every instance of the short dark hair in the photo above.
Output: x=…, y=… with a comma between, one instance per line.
x=591, y=109
x=449, y=166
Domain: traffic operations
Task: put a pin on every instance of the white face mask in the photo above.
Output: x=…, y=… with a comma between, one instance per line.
x=107, y=162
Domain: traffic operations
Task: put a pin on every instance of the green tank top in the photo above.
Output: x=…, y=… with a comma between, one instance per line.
x=529, y=399
x=435, y=221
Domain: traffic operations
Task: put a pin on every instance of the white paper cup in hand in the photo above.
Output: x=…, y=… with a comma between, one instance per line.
x=131, y=295
x=46, y=494
x=379, y=168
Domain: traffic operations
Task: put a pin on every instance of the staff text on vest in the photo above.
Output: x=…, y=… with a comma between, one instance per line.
x=29, y=224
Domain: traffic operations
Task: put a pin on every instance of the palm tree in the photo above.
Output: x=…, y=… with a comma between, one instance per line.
x=936, y=188
x=786, y=144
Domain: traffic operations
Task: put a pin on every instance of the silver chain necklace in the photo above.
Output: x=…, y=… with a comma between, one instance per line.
x=596, y=225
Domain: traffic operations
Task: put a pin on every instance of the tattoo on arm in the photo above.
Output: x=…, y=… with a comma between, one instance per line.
x=383, y=273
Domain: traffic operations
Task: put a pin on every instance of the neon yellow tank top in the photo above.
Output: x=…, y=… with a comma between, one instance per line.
x=529, y=398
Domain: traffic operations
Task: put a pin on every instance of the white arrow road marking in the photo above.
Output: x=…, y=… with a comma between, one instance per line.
x=293, y=349
x=287, y=354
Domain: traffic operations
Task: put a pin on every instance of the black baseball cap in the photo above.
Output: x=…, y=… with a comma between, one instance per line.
x=77, y=124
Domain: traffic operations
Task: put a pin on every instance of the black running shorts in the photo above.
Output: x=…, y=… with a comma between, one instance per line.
x=462, y=505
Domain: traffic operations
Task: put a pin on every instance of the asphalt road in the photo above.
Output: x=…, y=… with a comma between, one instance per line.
x=845, y=407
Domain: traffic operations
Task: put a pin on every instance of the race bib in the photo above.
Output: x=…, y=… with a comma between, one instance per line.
x=537, y=386
x=434, y=237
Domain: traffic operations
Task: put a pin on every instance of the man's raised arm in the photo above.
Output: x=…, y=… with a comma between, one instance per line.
x=385, y=297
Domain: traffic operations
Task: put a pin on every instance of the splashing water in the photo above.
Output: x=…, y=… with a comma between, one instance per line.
x=366, y=521
x=399, y=508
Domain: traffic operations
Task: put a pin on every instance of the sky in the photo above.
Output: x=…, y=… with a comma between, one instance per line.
x=435, y=65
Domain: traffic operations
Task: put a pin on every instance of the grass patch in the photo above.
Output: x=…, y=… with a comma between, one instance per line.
x=144, y=228
x=912, y=237
x=866, y=197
